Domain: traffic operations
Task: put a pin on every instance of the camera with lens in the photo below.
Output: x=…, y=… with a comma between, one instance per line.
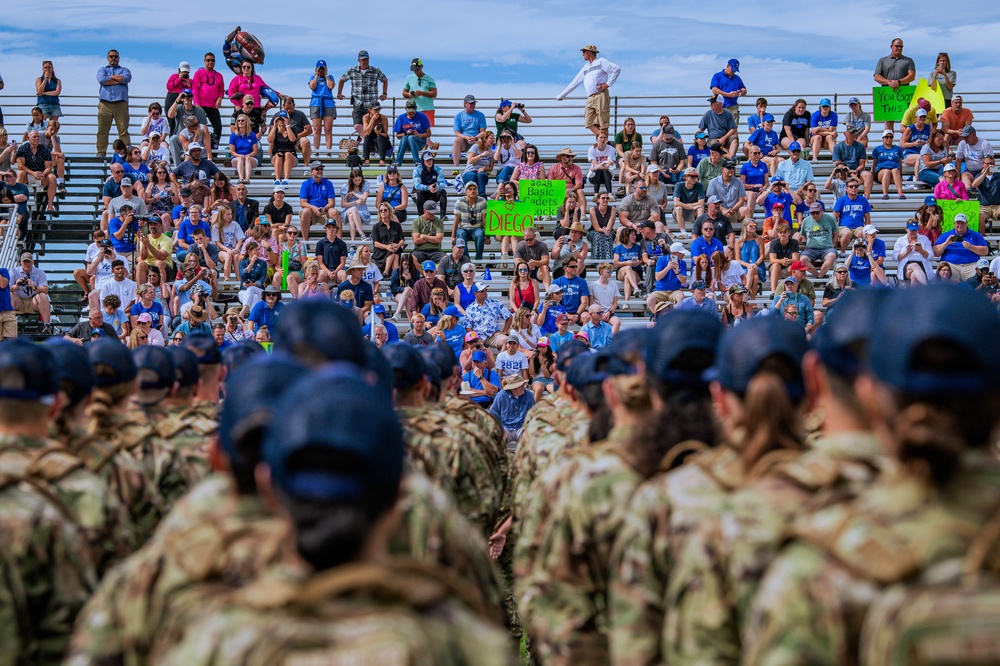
x=20, y=283
x=519, y=105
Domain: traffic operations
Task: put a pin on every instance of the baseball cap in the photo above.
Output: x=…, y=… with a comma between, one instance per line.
x=825, y=101
x=277, y=188
x=416, y=62
x=734, y=63
x=729, y=164
x=653, y=168
x=378, y=308
x=816, y=207
x=568, y=351
x=583, y=335
x=281, y=114
x=947, y=316
x=478, y=287
x=471, y=335
x=949, y=167
x=777, y=179
x=111, y=362
x=426, y=155
x=794, y=147
x=185, y=191
x=126, y=181
x=921, y=112
x=703, y=135
x=375, y=104
x=362, y=54
x=186, y=371
x=676, y=334
x=842, y=343
x=778, y=204
x=252, y=390
x=983, y=263
x=144, y=317
x=72, y=369
x=184, y=66
x=699, y=284
x=966, y=131
x=27, y=256
x=505, y=103
x=718, y=148
x=541, y=342
x=320, y=63
x=790, y=278
x=745, y=348
x=156, y=367
x=408, y=366
x=668, y=129
x=469, y=99
x=851, y=129
x=431, y=207
x=853, y=100
x=429, y=265
x=340, y=441
x=912, y=225
x=411, y=104
x=315, y=164
x=317, y=331
x=768, y=118
x=478, y=355
x=716, y=98
x=713, y=199
x=553, y=289
x=887, y=132
x=194, y=145
x=797, y=266
x=28, y=371
x=459, y=242
x=678, y=248
x=930, y=200
x=690, y=171
x=204, y=347
x=869, y=229
x=452, y=311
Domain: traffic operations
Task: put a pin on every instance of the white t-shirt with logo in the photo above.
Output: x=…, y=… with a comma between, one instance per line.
x=510, y=364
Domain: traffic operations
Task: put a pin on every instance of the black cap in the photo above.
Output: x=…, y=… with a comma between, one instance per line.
x=27, y=371
x=675, y=334
x=745, y=348
x=204, y=347
x=568, y=351
x=111, y=362
x=842, y=342
x=408, y=366
x=186, y=371
x=431, y=368
x=239, y=353
x=72, y=368
x=319, y=331
x=156, y=367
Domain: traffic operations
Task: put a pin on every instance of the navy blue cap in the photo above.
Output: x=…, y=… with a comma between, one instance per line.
x=347, y=424
x=445, y=361
x=452, y=311
x=842, y=343
x=378, y=368
x=251, y=394
x=568, y=351
x=111, y=362
x=431, y=367
x=676, y=333
x=186, y=371
x=72, y=368
x=238, y=353
x=319, y=331
x=747, y=346
x=204, y=347
x=408, y=366
x=609, y=362
x=156, y=367
x=630, y=344
x=581, y=371
x=27, y=371
x=952, y=316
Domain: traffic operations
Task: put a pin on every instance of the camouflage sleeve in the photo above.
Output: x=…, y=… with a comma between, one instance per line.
x=797, y=616
x=172, y=474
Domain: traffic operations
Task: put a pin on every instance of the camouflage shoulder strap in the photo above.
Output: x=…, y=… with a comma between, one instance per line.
x=53, y=463
x=680, y=451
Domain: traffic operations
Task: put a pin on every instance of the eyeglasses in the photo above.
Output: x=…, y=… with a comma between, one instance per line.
x=841, y=272
x=143, y=337
x=522, y=270
x=117, y=171
x=468, y=272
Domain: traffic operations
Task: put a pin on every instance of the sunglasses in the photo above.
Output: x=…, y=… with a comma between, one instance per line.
x=522, y=270
x=841, y=272
x=143, y=337
x=569, y=265
x=852, y=187
x=467, y=272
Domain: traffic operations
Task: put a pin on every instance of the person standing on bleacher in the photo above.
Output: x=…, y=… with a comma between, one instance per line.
x=113, y=104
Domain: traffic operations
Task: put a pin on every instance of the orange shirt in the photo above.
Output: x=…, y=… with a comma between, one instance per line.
x=956, y=122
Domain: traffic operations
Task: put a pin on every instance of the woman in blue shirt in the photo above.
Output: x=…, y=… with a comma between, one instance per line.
x=449, y=330
x=628, y=260
x=322, y=108
x=699, y=150
x=432, y=311
x=253, y=275
x=243, y=148
x=754, y=176
x=889, y=164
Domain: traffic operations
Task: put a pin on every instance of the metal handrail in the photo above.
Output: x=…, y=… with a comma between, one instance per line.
x=8, y=245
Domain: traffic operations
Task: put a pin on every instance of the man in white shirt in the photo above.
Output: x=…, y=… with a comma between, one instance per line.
x=597, y=76
x=119, y=285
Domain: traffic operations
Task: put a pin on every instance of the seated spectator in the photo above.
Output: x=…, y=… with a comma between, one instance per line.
x=424, y=289
x=317, y=200
x=147, y=306
x=950, y=187
x=301, y=128
x=738, y=308
x=128, y=197
x=860, y=120
x=863, y=268
x=819, y=232
x=136, y=169
x=723, y=227
x=754, y=176
x=689, y=199
x=429, y=184
x=470, y=217
x=282, y=142
x=418, y=335
x=412, y=130
x=791, y=303
x=243, y=149
x=119, y=285
x=506, y=156
x=266, y=311
x=354, y=203
x=155, y=150
x=449, y=330
x=756, y=120
x=850, y=153
x=533, y=251
x=469, y=126
x=955, y=119
x=934, y=156
x=381, y=321
x=839, y=284
x=191, y=125
x=94, y=328
x=433, y=310
x=480, y=162
x=161, y=195
x=511, y=361
x=506, y=118
x=602, y=159
x=632, y=169
x=488, y=317
x=668, y=154
x=427, y=234
x=551, y=310
x=671, y=275
x=245, y=106
x=888, y=160
x=604, y=291
x=961, y=247
x=700, y=299
x=794, y=171
x=531, y=168
x=767, y=141
x=598, y=331
x=823, y=128
x=699, y=150
x=459, y=274
x=564, y=169
x=480, y=384
x=970, y=154
x=782, y=252
x=375, y=133
x=155, y=121
x=912, y=252
x=852, y=212
x=185, y=232
x=795, y=125
x=628, y=261
x=729, y=190
x=29, y=289
x=988, y=186
x=570, y=247
x=34, y=167
x=196, y=167
x=915, y=135
x=720, y=125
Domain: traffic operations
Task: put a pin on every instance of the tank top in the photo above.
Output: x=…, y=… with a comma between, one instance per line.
x=749, y=251
x=48, y=100
x=603, y=219
x=393, y=194
x=523, y=297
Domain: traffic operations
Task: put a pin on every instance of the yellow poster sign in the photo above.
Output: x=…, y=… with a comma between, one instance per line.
x=933, y=96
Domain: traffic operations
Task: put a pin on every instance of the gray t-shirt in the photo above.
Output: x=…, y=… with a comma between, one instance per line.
x=849, y=155
x=37, y=276
x=934, y=155
x=527, y=252
x=196, y=111
x=729, y=194
x=637, y=209
x=138, y=206
x=668, y=154
x=894, y=68
x=717, y=124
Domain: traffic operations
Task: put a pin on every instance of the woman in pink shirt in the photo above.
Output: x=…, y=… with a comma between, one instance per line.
x=248, y=83
x=176, y=84
x=951, y=187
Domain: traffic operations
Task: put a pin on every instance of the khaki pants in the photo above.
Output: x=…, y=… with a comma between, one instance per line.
x=964, y=271
x=598, y=110
x=106, y=112
x=735, y=110
x=8, y=324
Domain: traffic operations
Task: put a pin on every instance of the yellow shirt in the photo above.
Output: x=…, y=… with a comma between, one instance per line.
x=165, y=244
x=910, y=116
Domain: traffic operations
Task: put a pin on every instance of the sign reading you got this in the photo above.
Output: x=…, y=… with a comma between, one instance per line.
x=889, y=104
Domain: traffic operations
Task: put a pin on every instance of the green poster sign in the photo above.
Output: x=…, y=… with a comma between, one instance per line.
x=889, y=104
x=950, y=208
x=505, y=218
x=545, y=195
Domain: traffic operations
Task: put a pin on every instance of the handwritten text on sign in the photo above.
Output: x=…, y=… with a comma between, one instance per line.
x=891, y=104
x=544, y=195
x=951, y=208
x=508, y=218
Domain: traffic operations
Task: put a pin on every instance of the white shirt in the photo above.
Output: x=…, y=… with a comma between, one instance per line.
x=591, y=75
x=104, y=272
x=608, y=155
x=604, y=295
x=901, y=243
x=125, y=290
x=510, y=364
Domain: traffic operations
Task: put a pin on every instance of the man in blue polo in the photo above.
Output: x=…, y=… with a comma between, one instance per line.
x=852, y=212
x=729, y=84
x=392, y=333
x=469, y=125
x=483, y=383
x=317, y=200
x=961, y=247
x=266, y=312
x=795, y=171
x=575, y=294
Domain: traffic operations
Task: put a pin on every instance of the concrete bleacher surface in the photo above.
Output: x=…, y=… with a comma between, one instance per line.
x=60, y=241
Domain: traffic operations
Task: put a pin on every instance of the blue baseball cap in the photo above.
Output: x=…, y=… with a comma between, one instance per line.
x=842, y=343
x=609, y=362
x=794, y=147
x=744, y=349
x=701, y=135
x=677, y=334
x=912, y=225
x=252, y=392
x=281, y=114
x=378, y=308
x=777, y=179
x=734, y=63
x=339, y=441
x=581, y=371
x=28, y=371
x=204, y=347
x=318, y=331
x=408, y=366
x=948, y=316
x=186, y=371
x=768, y=118
x=505, y=102
x=431, y=369
x=320, y=63
x=452, y=311
x=445, y=360
x=631, y=344
x=478, y=355
x=853, y=100
x=156, y=367
x=76, y=378
x=825, y=101
x=111, y=362
x=930, y=200
x=429, y=266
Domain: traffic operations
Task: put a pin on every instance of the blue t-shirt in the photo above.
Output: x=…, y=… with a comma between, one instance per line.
x=698, y=154
x=878, y=249
x=628, y=253
x=185, y=231
x=5, y=304
x=548, y=326
x=391, y=332
x=155, y=312
x=418, y=123
x=573, y=291
x=261, y=315
x=860, y=270
x=432, y=319
x=727, y=84
x=127, y=242
x=455, y=337
x=670, y=281
x=140, y=175
x=322, y=96
x=918, y=135
x=362, y=292
x=819, y=121
x=111, y=189
x=477, y=385
x=852, y=213
x=766, y=141
x=887, y=158
x=700, y=247
x=784, y=198
x=754, y=175
x=243, y=145
x=556, y=340
x=469, y=124
x=317, y=194
x=955, y=253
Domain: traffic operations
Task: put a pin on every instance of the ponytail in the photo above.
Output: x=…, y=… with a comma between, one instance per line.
x=770, y=418
x=97, y=418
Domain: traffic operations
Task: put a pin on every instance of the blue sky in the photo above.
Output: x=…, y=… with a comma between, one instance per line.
x=520, y=49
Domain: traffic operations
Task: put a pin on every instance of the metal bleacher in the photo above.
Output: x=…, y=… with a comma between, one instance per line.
x=60, y=241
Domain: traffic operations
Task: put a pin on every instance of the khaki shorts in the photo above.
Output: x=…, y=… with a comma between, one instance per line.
x=8, y=324
x=989, y=213
x=27, y=306
x=598, y=110
x=735, y=110
x=663, y=296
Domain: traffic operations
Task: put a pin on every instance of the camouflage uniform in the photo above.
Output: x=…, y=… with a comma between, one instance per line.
x=212, y=535
x=811, y=603
x=438, y=445
x=62, y=476
x=397, y=612
x=46, y=575
x=189, y=429
x=563, y=599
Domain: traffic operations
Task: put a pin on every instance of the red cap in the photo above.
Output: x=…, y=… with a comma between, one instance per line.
x=797, y=266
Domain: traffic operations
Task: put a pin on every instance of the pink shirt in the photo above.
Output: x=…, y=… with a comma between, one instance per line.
x=242, y=84
x=207, y=87
x=174, y=84
x=941, y=190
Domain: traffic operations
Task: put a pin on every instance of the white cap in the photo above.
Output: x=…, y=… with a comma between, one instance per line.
x=887, y=132
x=553, y=288
x=949, y=167
x=185, y=66
x=194, y=145
x=869, y=229
x=678, y=248
x=652, y=168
